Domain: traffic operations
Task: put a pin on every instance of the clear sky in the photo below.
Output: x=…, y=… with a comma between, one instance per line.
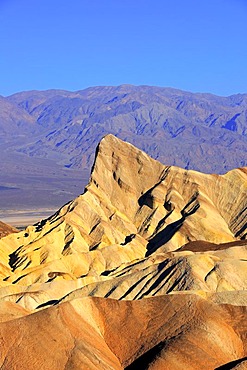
x=194, y=45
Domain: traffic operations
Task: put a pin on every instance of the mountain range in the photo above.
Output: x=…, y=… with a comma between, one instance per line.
x=53, y=131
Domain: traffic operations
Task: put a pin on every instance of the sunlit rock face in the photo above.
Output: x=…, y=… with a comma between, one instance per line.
x=145, y=269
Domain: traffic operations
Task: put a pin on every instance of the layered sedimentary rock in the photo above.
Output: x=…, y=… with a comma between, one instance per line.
x=153, y=252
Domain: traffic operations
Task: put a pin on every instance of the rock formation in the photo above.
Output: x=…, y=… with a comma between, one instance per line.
x=145, y=270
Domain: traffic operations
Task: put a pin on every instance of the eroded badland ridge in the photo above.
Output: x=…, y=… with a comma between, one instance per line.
x=145, y=270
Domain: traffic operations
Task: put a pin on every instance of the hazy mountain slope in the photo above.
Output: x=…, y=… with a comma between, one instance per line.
x=14, y=121
x=146, y=269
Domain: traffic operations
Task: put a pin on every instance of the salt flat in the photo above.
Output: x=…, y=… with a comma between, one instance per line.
x=23, y=218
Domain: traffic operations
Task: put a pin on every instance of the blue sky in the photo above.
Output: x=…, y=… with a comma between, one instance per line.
x=194, y=45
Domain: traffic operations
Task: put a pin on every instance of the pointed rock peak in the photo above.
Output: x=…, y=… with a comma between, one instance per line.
x=112, y=140
x=114, y=143
x=115, y=151
x=120, y=168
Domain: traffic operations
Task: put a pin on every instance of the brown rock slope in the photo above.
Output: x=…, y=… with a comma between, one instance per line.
x=156, y=333
x=6, y=229
x=141, y=230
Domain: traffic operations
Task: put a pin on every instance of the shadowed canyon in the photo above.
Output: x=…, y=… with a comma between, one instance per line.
x=145, y=270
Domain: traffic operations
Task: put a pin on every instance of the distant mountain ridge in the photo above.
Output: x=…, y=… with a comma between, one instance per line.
x=48, y=138
x=192, y=130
